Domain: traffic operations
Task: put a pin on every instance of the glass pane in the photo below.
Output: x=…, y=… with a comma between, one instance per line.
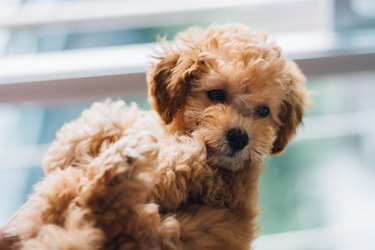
x=327, y=181
x=365, y=8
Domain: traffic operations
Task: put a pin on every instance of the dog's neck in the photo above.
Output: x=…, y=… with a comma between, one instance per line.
x=241, y=186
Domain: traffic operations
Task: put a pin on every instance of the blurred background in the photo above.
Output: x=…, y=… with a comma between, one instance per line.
x=59, y=56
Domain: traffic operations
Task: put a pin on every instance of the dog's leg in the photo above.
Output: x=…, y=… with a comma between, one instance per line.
x=175, y=185
x=118, y=194
x=182, y=172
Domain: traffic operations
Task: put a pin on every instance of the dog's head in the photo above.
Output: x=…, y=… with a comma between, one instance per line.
x=233, y=87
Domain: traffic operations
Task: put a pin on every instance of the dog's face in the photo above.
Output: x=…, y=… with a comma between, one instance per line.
x=231, y=87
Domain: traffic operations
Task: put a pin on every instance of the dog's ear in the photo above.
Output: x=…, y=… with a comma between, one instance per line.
x=169, y=82
x=292, y=108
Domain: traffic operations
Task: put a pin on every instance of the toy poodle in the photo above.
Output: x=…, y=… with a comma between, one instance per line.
x=183, y=176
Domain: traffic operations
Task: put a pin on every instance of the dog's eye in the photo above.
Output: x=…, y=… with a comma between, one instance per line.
x=217, y=95
x=262, y=111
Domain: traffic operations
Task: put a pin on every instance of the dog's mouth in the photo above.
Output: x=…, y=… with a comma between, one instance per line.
x=226, y=148
x=231, y=154
x=226, y=158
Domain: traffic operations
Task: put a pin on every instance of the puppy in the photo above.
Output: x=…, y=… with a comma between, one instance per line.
x=118, y=178
x=233, y=87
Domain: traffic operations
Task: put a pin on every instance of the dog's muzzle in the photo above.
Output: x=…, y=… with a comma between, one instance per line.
x=237, y=139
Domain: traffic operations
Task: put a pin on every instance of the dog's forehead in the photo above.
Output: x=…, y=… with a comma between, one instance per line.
x=238, y=79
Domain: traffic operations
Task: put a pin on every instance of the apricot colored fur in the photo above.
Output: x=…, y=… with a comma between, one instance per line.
x=120, y=178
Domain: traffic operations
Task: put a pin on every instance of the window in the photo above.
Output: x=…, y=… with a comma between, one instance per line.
x=354, y=15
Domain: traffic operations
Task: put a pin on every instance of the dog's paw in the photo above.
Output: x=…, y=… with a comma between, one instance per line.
x=136, y=151
x=142, y=145
x=121, y=175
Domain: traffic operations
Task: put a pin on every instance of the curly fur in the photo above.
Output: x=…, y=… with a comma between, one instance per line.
x=120, y=178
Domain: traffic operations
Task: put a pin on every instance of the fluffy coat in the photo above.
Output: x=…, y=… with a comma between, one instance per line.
x=120, y=178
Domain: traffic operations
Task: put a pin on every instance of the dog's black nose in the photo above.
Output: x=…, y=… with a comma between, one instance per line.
x=237, y=139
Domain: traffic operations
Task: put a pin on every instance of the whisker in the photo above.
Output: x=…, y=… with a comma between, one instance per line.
x=256, y=151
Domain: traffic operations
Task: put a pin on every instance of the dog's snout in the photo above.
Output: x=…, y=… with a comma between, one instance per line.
x=237, y=139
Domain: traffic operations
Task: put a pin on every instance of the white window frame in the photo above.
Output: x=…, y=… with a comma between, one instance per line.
x=69, y=75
